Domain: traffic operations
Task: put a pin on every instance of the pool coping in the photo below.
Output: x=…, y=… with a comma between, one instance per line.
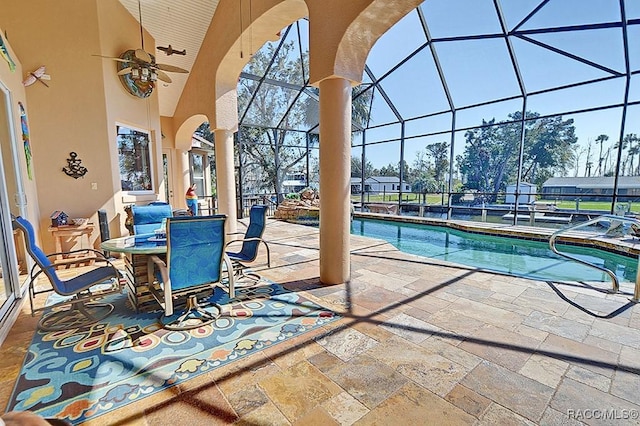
x=624, y=246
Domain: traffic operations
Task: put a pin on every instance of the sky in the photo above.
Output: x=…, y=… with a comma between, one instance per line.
x=481, y=70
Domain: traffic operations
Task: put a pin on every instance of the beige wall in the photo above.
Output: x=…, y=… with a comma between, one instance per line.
x=80, y=109
x=10, y=148
x=119, y=31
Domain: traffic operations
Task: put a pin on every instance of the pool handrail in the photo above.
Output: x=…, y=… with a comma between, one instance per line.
x=608, y=218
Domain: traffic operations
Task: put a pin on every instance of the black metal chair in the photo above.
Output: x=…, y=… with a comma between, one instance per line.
x=80, y=294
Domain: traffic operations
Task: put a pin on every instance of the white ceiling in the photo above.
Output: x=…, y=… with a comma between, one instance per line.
x=181, y=24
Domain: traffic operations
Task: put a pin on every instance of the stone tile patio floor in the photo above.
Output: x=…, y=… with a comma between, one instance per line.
x=420, y=342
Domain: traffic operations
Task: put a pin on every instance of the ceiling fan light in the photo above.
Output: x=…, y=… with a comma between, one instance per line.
x=135, y=73
x=154, y=76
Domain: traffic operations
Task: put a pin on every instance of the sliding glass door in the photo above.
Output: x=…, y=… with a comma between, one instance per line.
x=12, y=201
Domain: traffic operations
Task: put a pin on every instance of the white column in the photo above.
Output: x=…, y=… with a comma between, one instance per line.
x=225, y=178
x=184, y=182
x=335, y=172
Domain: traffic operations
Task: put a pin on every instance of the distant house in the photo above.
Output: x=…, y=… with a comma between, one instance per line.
x=294, y=182
x=590, y=188
x=527, y=193
x=379, y=185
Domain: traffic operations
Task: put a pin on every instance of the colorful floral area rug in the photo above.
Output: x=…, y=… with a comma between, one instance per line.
x=84, y=373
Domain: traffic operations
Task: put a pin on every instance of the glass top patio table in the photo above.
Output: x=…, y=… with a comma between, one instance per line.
x=135, y=244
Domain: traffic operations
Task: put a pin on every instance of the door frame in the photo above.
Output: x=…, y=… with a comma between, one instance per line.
x=168, y=180
x=8, y=310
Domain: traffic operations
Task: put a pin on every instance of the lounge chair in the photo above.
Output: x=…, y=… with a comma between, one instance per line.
x=78, y=294
x=250, y=244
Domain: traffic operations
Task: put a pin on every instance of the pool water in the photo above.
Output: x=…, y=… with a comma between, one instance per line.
x=519, y=257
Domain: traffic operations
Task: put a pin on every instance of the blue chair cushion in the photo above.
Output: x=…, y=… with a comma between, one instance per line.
x=195, y=249
x=91, y=278
x=147, y=219
x=257, y=223
x=64, y=287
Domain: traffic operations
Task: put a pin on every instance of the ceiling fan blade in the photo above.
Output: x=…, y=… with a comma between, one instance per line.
x=164, y=77
x=143, y=55
x=170, y=68
x=124, y=71
x=111, y=57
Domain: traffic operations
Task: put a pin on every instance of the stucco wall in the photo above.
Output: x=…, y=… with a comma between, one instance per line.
x=10, y=148
x=84, y=101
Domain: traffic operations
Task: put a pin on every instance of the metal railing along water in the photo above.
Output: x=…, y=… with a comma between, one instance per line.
x=615, y=228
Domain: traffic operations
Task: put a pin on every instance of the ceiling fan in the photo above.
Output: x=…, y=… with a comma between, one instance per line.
x=138, y=69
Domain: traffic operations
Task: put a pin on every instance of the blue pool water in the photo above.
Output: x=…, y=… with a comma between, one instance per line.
x=523, y=258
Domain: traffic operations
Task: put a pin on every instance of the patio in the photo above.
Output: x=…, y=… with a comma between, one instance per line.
x=421, y=341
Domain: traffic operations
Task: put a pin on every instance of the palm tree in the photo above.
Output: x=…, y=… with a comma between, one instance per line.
x=628, y=141
x=601, y=139
x=588, y=164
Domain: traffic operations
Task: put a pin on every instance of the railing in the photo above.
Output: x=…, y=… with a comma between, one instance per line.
x=207, y=205
x=250, y=200
x=615, y=228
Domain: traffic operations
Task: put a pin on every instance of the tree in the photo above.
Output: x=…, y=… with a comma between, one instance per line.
x=634, y=149
x=601, y=139
x=267, y=151
x=429, y=168
x=356, y=168
x=588, y=163
x=133, y=152
x=278, y=122
x=389, y=170
x=608, y=166
x=548, y=149
x=577, y=155
x=421, y=174
x=360, y=108
x=490, y=158
x=628, y=142
x=204, y=131
x=439, y=151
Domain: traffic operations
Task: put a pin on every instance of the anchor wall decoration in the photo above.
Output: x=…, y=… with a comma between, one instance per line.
x=74, y=168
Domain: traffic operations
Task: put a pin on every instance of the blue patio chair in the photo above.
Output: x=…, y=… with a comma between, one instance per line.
x=147, y=219
x=250, y=245
x=193, y=266
x=77, y=294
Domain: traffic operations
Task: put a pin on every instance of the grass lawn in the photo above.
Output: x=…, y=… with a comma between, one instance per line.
x=436, y=199
x=387, y=198
x=588, y=205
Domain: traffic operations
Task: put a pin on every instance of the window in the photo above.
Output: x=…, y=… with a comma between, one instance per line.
x=197, y=170
x=135, y=159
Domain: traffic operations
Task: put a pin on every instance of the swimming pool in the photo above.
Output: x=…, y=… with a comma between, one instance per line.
x=514, y=256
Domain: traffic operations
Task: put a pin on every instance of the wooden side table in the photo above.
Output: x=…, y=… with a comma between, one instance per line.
x=20, y=251
x=72, y=235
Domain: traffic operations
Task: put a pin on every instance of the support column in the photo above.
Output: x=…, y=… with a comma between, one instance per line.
x=185, y=179
x=225, y=178
x=335, y=173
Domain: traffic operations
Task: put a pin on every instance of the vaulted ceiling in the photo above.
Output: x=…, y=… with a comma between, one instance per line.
x=181, y=24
